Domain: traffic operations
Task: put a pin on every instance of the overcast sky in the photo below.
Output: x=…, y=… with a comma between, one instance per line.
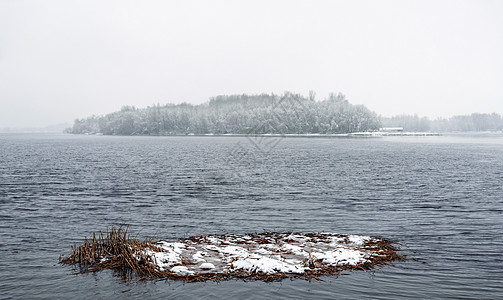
x=61, y=60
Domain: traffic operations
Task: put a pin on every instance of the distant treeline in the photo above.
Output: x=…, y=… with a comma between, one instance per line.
x=473, y=122
x=288, y=113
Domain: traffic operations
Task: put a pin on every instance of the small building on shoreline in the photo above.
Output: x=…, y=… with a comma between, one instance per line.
x=391, y=129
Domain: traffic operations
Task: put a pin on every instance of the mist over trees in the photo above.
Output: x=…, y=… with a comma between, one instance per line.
x=288, y=113
x=464, y=123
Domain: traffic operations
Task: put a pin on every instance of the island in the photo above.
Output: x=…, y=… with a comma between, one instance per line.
x=268, y=256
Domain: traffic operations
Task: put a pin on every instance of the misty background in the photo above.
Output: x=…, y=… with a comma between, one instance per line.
x=62, y=60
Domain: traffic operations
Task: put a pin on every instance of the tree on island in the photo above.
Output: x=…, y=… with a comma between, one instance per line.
x=464, y=123
x=237, y=114
x=288, y=113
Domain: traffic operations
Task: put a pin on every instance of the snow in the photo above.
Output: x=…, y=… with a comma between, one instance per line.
x=199, y=256
x=165, y=259
x=294, y=249
x=358, y=239
x=207, y=266
x=266, y=253
x=181, y=270
x=234, y=250
x=340, y=256
x=268, y=265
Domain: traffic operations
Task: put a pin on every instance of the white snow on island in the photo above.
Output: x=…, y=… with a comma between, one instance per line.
x=266, y=253
x=267, y=256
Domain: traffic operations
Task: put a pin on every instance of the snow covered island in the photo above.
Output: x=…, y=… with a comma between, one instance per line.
x=268, y=256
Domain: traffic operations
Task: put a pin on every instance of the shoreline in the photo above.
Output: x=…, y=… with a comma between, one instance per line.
x=290, y=135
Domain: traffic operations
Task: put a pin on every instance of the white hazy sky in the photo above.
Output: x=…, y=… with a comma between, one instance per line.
x=61, y=60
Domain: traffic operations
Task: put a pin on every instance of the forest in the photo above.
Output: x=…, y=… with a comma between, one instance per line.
x=463, y=123
x=288, y=113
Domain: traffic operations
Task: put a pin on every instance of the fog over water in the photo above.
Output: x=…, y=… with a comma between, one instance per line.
x=61, y=60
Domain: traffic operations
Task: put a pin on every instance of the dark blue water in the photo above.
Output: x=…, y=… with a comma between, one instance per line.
x=440, y=197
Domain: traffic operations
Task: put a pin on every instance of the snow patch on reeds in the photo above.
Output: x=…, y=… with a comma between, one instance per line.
x=265, y=256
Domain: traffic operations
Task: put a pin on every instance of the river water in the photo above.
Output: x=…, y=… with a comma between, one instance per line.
x=441, y=198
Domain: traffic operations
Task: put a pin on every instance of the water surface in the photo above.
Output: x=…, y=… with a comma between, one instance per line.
x=440, y=197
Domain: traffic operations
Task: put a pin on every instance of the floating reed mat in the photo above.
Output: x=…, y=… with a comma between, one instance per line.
x=268, y=256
